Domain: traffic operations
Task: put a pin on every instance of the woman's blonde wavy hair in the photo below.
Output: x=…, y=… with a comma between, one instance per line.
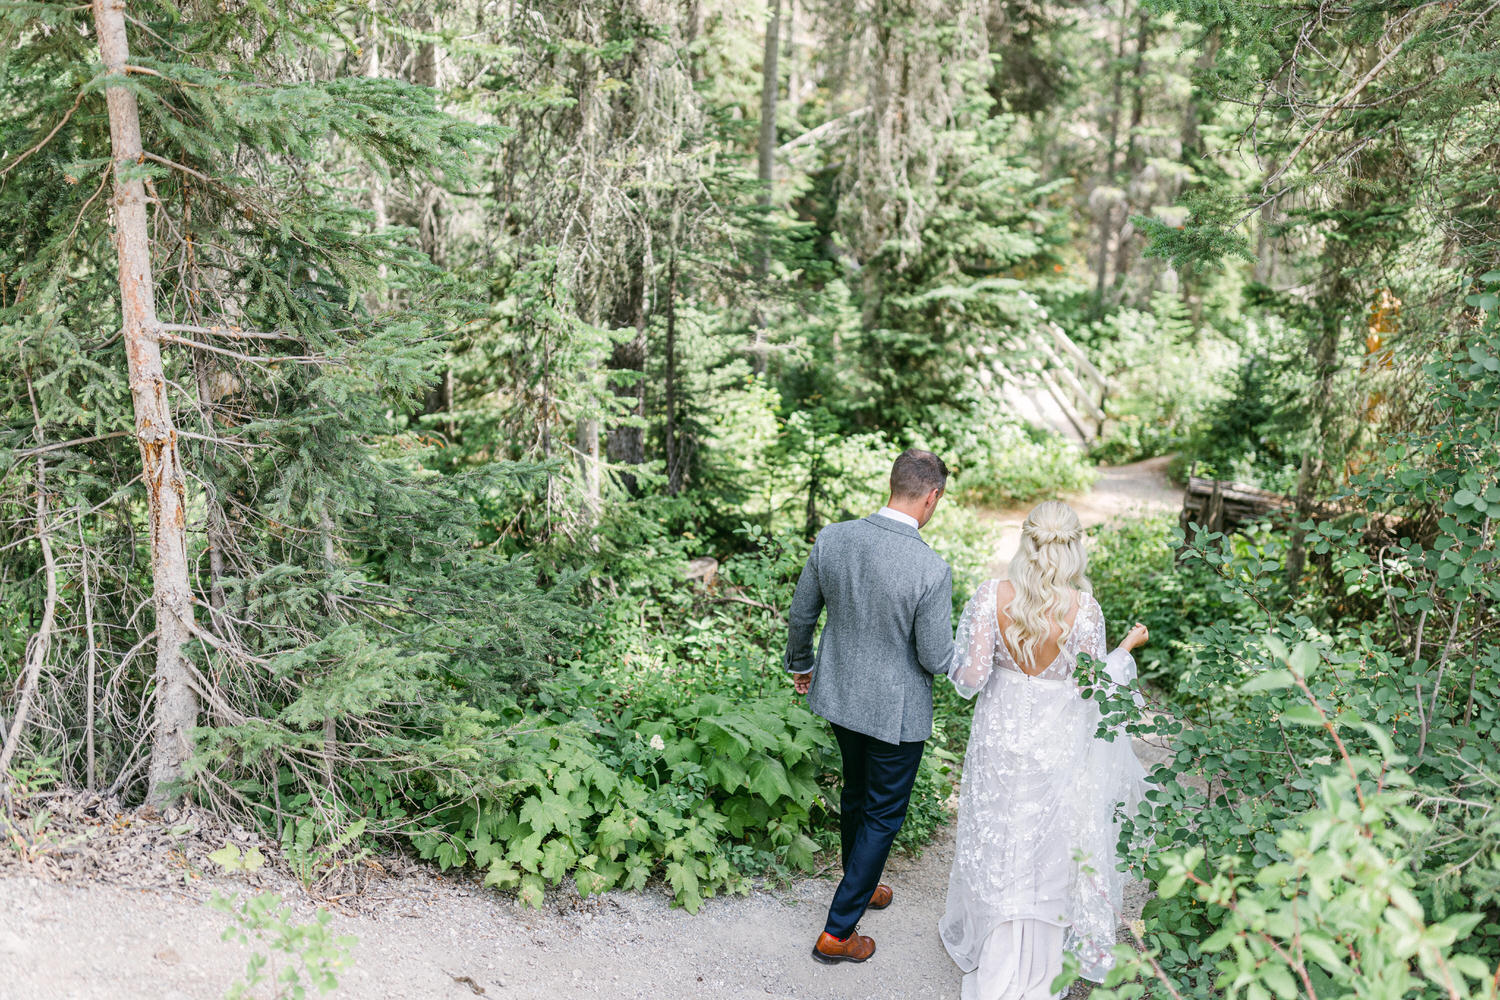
x=1051, y=560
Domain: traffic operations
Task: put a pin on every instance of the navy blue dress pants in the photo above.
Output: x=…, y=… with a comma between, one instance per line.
x=878, y=779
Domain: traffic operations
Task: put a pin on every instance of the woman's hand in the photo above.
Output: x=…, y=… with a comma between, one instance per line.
x=1138, y=636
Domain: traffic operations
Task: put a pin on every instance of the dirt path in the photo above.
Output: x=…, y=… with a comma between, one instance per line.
x=93, y=942
x=1122, y=490
x=422, y=935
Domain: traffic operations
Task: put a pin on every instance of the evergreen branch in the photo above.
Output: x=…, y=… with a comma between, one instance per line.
x=58, y=446
x=124, y=488
x=225, y=331
x=106, y=173
x=209, y=439
x=40, y=643
x=258, y=359
x=834, y=125
x=48, y=137
x=209, y=639
x=178, y=166
x=130, y=68
x=1354, y=92
x=210, y=693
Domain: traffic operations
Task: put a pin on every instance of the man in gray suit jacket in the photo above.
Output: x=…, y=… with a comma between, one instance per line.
x=889, y=632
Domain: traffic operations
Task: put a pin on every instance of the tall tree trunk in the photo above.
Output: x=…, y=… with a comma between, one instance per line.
x=769, y=85
x=793, y=65
x=161, y=464
x=675, y=469
x=1111, y=166
x=1124, y=244
x=587, y=447
x=1192, y=117
x=693, y=25
x=1265, y=246
x=431, y=210
x=1320, y=402
x=626, y=443
x=377, y=185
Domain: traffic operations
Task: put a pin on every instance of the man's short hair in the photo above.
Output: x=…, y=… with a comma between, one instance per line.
x=917, y=473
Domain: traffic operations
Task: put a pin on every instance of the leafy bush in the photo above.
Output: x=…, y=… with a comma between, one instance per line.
x=1326, y=825
x=1168, y=375
x=999, y=460
x=1252, y=433
x=301, y=956
x=630, y=783
x=672, y=746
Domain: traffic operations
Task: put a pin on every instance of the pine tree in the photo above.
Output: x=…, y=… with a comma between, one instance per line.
x=328, y=601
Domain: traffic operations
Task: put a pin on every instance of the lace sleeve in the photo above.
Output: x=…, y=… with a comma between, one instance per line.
x=974, y=652
x=1093, y=631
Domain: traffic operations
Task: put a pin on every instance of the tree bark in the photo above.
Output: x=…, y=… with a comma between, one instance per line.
x=770, y=82
x=1124, y=243
x=432, y=209
x=161, y=463
x=1265, y=247
x=587, y=449
x=789, y=50
x=377, y=186
x=626, y=444
x=1106, y=218
x=1193, y=116
x=675, y=477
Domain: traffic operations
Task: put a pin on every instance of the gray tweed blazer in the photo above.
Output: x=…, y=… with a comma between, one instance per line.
x=889, y=632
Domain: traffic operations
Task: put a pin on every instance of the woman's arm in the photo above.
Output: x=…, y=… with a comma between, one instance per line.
x=974, y=647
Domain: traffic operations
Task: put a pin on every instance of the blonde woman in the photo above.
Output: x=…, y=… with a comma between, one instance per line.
x=1034, y=864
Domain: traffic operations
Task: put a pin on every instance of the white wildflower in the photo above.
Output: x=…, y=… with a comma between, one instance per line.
x=657, y=743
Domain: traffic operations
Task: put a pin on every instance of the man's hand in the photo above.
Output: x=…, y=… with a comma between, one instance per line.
x=802, y=682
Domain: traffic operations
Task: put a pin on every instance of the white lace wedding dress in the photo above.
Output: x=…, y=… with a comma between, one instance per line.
x=1034, y=864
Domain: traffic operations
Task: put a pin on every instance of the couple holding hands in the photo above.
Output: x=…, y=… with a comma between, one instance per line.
x=1034, y=870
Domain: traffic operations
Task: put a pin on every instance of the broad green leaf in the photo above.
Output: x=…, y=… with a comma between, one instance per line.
x=1269, y=680
x=1302, y=715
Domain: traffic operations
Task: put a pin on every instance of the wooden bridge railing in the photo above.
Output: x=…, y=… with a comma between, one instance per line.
x=1049, y=360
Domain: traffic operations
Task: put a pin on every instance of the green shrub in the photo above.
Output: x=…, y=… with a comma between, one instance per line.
x=1326, y=825
x=998, y=460
x=626, y=784
x=300, y=956
x=1166, y=374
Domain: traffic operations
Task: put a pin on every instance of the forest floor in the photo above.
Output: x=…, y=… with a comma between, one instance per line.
x=122, y=915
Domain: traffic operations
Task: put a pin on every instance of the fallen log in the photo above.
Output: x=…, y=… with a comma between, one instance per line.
x=1222, y=505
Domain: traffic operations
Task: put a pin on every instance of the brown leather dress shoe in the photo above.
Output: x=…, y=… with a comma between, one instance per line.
x=831, y=950
x=881, y=897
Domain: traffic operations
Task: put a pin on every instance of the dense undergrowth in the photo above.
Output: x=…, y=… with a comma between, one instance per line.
x=1326, y=826
x=667, y=746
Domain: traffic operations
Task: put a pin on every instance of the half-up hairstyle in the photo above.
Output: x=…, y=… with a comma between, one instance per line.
x=1051, y=560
